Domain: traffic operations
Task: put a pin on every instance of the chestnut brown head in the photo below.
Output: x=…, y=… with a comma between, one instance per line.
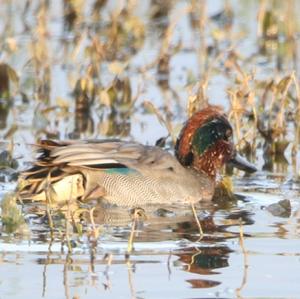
x=205, y=143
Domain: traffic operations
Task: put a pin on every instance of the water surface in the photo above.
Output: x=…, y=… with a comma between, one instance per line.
x=250, y=248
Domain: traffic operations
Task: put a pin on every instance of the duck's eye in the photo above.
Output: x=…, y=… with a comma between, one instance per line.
x=228, y=133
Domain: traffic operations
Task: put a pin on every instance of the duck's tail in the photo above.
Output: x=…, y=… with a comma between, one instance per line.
x=46, y=181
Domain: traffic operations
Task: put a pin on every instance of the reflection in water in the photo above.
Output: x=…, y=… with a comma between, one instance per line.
x=48, y=261
x=203, y=261
x=67, y=267
x=275, y=163
x=70, y=15
x=163, y=224
x=117, y=122
x=4, y=110
x=244, y=216
x=7, y=75
x=84, y=98
x=101, y=52
x=102, y=265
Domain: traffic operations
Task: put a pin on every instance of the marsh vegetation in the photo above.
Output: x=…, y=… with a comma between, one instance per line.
x=73, y=69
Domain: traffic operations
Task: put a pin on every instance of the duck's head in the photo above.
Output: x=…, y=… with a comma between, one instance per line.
x=205, y=143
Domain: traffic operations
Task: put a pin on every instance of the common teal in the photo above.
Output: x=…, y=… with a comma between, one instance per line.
x=130, y=174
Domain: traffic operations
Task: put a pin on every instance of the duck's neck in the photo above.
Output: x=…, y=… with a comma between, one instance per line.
x=212, y=160
x=206, y=164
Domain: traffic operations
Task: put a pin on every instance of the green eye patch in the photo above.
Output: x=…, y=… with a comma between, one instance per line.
x=207, y=135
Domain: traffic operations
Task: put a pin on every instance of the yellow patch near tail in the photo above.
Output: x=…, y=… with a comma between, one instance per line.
x=68, y=188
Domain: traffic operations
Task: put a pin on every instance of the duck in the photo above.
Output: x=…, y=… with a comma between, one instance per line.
x=129, y=174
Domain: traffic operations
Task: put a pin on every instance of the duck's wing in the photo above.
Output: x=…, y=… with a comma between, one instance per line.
x=71, y=159
x=104, y=154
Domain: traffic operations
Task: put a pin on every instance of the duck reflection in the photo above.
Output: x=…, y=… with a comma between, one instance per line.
x=204, y=260
x=205, y=257
x=170, y=223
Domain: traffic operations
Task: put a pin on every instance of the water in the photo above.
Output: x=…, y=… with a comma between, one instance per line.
x=169, y=260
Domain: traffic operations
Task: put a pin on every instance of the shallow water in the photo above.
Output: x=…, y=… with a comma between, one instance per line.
x=169, y=260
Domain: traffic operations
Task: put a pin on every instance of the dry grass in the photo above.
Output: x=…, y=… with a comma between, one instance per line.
x=81, y=69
